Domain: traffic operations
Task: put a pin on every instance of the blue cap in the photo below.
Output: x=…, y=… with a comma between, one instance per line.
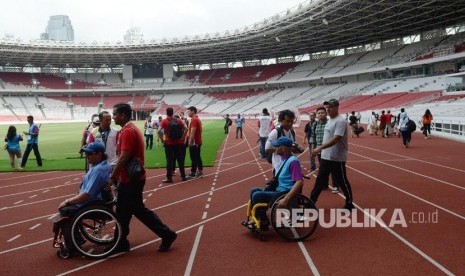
x=283, y=141
x=94, y=147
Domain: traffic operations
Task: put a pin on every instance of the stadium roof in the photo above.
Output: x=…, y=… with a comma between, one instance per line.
x=315, y=26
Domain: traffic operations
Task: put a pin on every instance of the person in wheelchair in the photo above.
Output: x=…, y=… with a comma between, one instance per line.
x=290, y=181
x=91, y=190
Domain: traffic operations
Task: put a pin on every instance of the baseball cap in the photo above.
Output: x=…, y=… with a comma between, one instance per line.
x=332, y=102
x=283, y=141
x=96, y=120
x=93, y=147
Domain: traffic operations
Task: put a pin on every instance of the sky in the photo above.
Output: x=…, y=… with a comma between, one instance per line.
x=108, y=20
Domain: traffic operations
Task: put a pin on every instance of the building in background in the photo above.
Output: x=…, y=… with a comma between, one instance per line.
x=59, y=28
x=133, y=35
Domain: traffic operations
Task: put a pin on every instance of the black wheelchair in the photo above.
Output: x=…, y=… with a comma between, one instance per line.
x=295, y=222
x=93, y=231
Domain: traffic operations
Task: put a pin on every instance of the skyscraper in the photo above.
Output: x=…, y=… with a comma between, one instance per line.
x=59, y=28
x=133, y=35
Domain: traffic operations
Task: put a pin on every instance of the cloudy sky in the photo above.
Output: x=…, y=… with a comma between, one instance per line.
x=108, y=20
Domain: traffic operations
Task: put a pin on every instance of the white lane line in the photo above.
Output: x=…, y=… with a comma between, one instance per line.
x=410, y=158
x=18, y=202
x=141, y=245
x=204, y=216
x=207, y=206
x=406, y=242
x=309, y=260
x=409, y=171
x=190, y=263
x=46, y=191
x=32, y=196
x=35, y=226
x=209, y=199
x=14, y=238
x=409, y=194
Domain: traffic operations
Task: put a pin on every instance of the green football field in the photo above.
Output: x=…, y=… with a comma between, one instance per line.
x=59, y=146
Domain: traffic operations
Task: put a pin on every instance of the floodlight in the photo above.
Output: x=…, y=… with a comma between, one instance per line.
x=325, y=21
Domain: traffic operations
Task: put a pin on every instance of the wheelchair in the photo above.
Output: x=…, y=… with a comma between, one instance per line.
x=295, y=222
x=94, y=232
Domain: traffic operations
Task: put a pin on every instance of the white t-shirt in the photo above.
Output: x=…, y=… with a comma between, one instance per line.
x=265, y=125
x=109, y=142
x=339, y=151
x=273, y=136
x=149, y=127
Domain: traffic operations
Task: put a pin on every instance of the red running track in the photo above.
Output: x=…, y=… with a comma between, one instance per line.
x=424, y=180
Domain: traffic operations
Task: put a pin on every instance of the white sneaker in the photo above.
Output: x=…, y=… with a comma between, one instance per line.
x=335, y=190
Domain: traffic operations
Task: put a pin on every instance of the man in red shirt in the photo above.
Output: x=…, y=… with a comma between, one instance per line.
x=194, y=140
x=130, y=146
x=387, y=129
x=172, y=133
x=382, y=123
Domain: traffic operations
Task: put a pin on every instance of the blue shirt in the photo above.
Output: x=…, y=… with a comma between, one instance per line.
x=287, y=178
x=239, y=122
x=33, y=139
x=13, y=145
x=95, y=181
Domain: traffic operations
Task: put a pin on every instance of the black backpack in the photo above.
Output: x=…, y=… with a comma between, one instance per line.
x=175, y=130
x=411, y=126
x=269, y=156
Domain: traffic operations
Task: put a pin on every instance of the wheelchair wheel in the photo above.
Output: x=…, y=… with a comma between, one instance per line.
x=297, y=221
x=96, y=232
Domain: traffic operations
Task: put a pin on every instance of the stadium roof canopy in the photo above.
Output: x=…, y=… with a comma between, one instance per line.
x=314, y=26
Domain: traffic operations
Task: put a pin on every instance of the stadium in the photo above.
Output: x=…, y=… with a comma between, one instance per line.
x=370, y=55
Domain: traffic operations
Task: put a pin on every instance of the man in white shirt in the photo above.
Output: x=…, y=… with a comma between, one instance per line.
x=334, y=151
x=286, y=120
x=149, y=126
x=264, y=128
x=106, y=135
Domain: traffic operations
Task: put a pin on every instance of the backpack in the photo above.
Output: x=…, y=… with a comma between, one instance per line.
x=411, y=126
x=269, y=156
x=175, y=130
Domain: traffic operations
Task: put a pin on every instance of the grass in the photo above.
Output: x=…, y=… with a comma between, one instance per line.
x=59, y=146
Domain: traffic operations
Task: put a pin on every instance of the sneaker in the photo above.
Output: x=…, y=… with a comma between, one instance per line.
x=184, y=178
x=335, y=190
x=123, y=246
x=348, y=206
x=20, y=169
x=167, y=181
x=199, y=174
x=167, y=242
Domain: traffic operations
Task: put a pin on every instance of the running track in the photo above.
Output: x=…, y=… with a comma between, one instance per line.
x=424, y=179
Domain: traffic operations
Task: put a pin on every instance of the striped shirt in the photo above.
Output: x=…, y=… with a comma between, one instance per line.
x=319, y=133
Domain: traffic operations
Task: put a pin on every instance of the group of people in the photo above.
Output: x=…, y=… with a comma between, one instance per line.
x=109, y=152
x=176, y=135
x=327, y=139
x=401, y=125
x=12, y=146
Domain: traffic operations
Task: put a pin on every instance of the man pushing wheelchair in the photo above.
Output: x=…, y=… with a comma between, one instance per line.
x=91, y=190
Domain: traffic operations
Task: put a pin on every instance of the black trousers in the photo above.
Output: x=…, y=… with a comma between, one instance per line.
x=196, y=159
x=175, y=153
x=337, y=170
x=226, y=129
x=30, y=147
x=148, y=141
x=130, y=202
x=238, y=129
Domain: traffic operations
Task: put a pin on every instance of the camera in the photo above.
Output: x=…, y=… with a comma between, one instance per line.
x=296, y=148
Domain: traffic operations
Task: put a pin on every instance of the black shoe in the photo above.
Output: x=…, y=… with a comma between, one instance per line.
x=167, y=241
x=167, y=181
x=123, y=246
x=183, y=179
x=348, y=206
